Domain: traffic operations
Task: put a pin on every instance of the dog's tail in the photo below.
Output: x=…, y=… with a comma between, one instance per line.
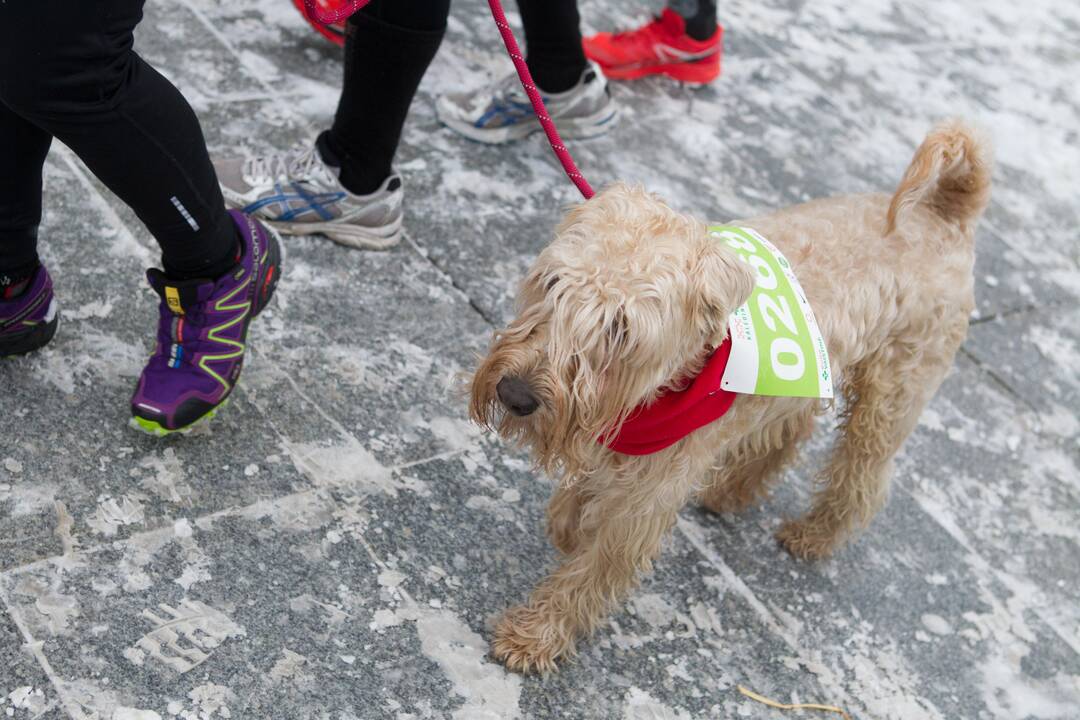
x=950, y=175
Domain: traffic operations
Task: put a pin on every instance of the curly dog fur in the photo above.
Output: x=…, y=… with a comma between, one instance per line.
x=623, y=303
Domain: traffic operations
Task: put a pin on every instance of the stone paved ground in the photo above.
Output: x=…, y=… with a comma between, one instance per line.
x=338, y=543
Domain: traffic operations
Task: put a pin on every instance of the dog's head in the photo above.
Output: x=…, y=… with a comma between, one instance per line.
x=624, y=302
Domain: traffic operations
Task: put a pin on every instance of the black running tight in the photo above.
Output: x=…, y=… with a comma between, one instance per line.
x=700, y=17
x=388, y=47
x=67, y=70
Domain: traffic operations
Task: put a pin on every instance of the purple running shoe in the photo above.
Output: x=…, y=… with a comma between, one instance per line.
x=29, y=321
x=201, y=335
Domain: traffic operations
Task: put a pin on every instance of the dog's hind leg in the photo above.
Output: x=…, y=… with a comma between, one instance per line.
x=743, y=477
x=885, y=394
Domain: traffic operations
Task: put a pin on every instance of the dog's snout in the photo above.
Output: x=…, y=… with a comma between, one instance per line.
x=517, y=396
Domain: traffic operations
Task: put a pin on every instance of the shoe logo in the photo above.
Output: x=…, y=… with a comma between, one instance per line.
x=172, y=299
x=254, y=228
x=666, y=53
x=288, y=209
x=509, y=114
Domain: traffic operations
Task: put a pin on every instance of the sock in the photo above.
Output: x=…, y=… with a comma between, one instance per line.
x=555, y=77
x=329, y=154
x=350, y=177
x=700, y=17
x=13, y=284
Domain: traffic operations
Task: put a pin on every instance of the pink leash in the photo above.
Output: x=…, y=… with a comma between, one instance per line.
x=329, y=17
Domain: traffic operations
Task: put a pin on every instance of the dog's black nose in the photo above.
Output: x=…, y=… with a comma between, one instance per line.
x=516, y=395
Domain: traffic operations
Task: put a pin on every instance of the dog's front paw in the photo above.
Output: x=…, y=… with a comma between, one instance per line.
x=526, y=641
x=808, y=541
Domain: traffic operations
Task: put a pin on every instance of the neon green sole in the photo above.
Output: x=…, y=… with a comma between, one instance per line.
x=157, y=430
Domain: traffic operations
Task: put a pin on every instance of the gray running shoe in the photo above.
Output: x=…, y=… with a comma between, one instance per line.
x=502, y=113
x=299, y=194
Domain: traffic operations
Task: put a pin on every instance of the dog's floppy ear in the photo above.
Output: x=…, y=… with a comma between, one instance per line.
x=720, y=282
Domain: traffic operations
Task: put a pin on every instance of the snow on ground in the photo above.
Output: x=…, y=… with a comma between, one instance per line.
x=338, y=543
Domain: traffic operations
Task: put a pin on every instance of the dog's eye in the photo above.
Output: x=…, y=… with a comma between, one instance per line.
x=551, y=283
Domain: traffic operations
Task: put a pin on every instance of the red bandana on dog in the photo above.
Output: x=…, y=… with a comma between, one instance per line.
x=674, y=415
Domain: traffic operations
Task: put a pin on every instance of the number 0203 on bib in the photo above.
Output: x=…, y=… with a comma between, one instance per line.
x=776, y=344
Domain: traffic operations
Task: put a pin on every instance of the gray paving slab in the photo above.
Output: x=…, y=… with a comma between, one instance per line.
x=25, y=690
x=340, y=541
x=68, y=454
x=1037, y=355
x=172, y=639
x=174, y=40
x=998, y=469
x=320, y=602
x=397, y=330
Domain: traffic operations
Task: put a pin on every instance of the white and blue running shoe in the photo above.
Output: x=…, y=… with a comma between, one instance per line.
x=502, y=113
x=299, y=194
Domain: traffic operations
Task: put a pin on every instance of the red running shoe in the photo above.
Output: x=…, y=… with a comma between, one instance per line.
x=334, y=33
x=661, y=47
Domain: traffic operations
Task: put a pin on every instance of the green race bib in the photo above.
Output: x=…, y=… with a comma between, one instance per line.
x=776, y=345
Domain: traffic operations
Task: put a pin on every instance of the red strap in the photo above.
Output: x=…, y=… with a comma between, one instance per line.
x=673, y=416
x=330, y=17
x=538, y=102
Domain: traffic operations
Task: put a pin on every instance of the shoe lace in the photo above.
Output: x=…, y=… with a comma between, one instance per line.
x=508, y=89
x=296, y=163
x=194, y=319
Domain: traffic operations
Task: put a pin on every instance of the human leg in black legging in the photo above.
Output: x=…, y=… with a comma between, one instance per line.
x=22, y=151
x=700, y=17
x=67, y=70
x=553, y=39
x=388, y=47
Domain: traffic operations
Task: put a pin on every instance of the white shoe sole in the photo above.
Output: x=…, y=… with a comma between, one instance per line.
x=569, y=129
x=354, y=236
